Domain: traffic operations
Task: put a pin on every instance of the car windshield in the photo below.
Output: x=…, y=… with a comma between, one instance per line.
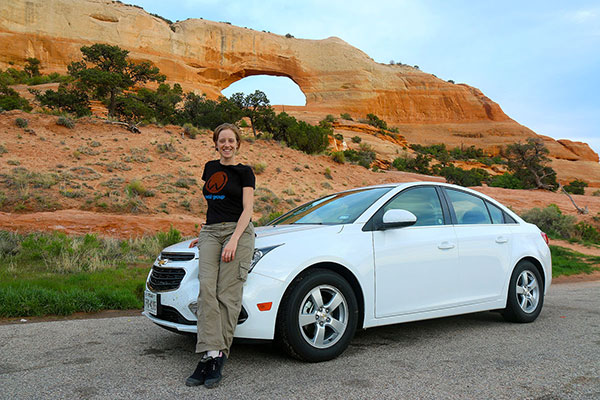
x=340, y=208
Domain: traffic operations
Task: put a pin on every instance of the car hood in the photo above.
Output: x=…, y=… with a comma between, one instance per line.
x=263, y=234
x=266, y=231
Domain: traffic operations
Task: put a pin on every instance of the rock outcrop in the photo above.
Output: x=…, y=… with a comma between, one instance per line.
x=208, y=56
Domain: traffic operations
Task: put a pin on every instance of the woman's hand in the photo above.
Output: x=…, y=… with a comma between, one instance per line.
x=228, y=253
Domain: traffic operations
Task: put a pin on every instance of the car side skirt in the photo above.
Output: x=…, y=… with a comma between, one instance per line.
x=445, y=312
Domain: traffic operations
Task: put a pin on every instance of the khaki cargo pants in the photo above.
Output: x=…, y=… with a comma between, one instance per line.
x=221, y=285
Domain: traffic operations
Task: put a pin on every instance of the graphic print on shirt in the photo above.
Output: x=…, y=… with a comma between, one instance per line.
x=216, y=182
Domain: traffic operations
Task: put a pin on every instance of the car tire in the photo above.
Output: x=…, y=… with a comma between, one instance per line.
x=525, y=294
x=318, y=316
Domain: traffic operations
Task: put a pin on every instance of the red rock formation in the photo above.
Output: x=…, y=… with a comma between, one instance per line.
x=208, y=56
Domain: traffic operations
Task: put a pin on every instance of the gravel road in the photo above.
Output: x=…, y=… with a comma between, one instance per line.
x=477, y=356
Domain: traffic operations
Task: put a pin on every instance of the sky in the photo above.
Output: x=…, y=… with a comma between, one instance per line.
x=539, y=60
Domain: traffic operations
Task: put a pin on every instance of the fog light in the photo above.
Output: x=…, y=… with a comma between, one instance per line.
x=265, y=306
x=193, y=307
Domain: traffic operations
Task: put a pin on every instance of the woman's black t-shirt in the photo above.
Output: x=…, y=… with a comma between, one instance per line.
x=223, y=190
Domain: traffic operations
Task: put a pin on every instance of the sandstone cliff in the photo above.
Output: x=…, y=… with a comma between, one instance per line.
x=208, y=56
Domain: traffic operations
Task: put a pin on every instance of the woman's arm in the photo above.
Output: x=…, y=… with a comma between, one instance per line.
x=228, y=253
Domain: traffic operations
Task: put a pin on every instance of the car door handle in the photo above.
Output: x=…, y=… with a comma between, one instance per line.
x=501, y=239
x=446, y=246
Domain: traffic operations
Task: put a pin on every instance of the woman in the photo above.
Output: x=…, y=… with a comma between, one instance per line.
x=225, y=246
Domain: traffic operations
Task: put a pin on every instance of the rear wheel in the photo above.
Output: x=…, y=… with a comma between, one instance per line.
x=318, y=316
x=525, y=294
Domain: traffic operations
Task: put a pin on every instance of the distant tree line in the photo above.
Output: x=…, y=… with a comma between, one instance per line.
x=107, y=74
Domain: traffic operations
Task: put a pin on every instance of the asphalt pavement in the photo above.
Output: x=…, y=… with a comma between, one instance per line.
x=477, y=356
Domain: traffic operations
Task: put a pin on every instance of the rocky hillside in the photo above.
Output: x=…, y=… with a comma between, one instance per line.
x=98, y=177
x=336, y=78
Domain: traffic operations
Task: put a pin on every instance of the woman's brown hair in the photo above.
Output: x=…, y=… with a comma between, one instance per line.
x=231, y=127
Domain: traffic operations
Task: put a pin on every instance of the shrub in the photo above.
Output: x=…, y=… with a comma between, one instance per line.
x=11, y=100
x=259, y=168
x=185, y=182
x=21, y=122
x=307, y=138
x=66, y=122
x=356, y=139
x=338, y=157
x=135, y=188
x=329, y=118
x=66, y=99
x=339, y=136
x=165, y=148
x=364, y=156
x=506, y=180
x=267, y=218
x=419, y=164
x=459, y=176
x=596, y=193
x=346, y=116
x=190, y=130
x=166, y=239
x=576, y=187
x=552, y=221
x=327, y=173
x=587, y=232
x=374, y=120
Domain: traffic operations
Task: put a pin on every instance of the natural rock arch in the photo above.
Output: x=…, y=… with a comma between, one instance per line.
x=272, y=85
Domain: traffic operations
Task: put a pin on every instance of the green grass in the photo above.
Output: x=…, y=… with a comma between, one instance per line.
x=568, y=262
x=55, y=274
x=56, y=294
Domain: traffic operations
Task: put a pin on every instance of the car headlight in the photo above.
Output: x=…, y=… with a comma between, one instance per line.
x=260, y=253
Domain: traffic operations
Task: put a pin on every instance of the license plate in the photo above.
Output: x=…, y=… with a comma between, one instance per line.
x=150, y=302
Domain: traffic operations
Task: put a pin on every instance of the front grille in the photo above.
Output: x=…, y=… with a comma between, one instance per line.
x=177, y=256
x=162, y=279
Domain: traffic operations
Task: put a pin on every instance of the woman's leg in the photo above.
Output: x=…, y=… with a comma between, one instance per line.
x=210, y=336
x=230, y=284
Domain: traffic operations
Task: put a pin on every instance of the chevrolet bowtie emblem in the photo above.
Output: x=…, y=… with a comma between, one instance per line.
x=163, y=261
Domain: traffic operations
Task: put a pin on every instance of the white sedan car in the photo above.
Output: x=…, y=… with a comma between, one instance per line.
x=369, y=257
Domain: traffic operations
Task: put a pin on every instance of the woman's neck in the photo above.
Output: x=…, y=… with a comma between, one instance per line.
x=227, y=161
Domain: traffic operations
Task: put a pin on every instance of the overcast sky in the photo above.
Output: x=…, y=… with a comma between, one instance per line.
x=539, y=60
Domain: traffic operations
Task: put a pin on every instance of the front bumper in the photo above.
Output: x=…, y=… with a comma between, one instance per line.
x=257, y=289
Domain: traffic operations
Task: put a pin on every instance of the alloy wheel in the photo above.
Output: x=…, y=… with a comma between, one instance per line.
x=528, y=291
x=323, y=316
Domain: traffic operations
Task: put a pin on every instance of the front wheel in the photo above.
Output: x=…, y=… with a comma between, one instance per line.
x=525, y=294
x=318, y=316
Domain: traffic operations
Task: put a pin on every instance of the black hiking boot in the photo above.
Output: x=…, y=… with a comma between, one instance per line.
x=199, y=375
x=213, y=371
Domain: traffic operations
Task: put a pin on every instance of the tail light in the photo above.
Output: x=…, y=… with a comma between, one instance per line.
x=545, y=238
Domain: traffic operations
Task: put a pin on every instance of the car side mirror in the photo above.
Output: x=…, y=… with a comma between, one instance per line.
x=397, y=219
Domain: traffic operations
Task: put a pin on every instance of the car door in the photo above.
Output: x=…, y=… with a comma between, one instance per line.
x=484, y=246
x=415, y=266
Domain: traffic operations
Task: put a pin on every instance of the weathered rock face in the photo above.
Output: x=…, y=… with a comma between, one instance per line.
x=208, y=56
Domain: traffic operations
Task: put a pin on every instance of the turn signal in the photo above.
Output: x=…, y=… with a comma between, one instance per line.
x=264, y=306
x=545, y=238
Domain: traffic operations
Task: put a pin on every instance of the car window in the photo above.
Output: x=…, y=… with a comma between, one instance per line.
x=340, y=208
x=422, y=201
x=496, y=213
x=469, y=209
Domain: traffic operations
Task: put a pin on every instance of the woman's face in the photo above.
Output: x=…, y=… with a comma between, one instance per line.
x=227, y=144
